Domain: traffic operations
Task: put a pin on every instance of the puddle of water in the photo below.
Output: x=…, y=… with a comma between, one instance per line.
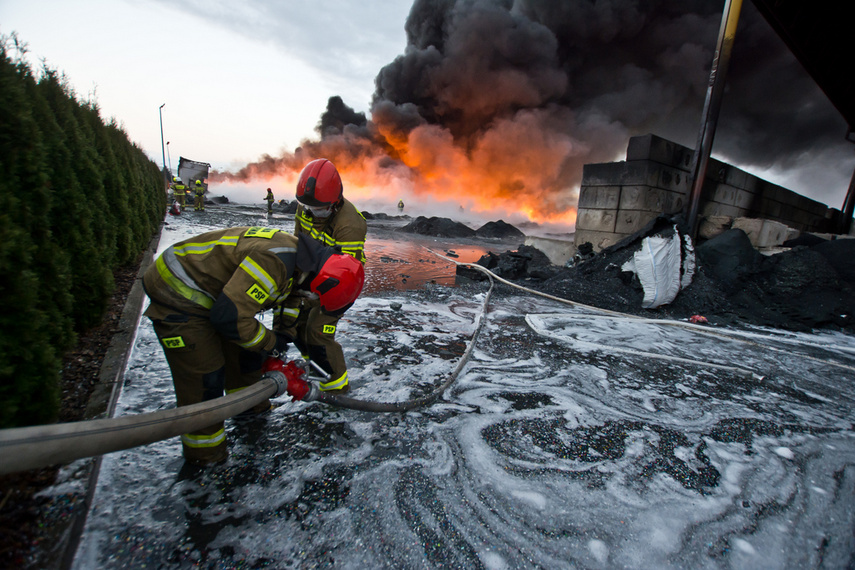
x=403, y=265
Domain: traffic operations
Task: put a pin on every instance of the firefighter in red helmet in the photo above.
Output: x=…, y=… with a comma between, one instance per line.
x=205, y=294
x=325, y=215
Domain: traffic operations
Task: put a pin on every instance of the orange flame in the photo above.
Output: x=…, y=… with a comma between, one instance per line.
x=515, y=170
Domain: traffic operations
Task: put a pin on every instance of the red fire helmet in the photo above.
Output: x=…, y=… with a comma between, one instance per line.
x=339, y=282
x=319, y=184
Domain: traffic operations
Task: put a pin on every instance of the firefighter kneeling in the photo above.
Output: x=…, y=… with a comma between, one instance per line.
x=205, y=293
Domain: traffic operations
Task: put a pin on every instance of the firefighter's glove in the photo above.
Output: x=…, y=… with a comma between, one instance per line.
x=280, y=349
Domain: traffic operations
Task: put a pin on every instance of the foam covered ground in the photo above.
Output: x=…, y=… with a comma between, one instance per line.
x=570, y=439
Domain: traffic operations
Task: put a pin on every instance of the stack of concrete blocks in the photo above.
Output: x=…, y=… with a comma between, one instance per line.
x=617, y=199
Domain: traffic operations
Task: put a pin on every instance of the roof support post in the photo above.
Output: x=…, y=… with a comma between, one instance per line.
x=848, y=207
x=712, y=106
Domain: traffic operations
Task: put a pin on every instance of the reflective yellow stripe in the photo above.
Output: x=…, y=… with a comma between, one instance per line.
x=205, y=247
x=180, y=287
x=256, y=272
x=259, y=336
x=355, y=252
x=334, y=384
x=195, y=440
x=352, y=248
x=286, y=312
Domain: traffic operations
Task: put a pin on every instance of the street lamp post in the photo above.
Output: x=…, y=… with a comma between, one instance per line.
x=162, y=146
x=169, y=156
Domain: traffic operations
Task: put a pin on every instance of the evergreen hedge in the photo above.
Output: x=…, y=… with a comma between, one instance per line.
x=78, y=200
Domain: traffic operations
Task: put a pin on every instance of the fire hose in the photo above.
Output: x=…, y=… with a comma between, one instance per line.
x=40, y=446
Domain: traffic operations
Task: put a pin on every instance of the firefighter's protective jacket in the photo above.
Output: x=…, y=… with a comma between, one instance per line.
x=230, y=276
x=345, y=229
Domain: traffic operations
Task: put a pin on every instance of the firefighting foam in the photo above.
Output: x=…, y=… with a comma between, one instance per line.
x=496, y=106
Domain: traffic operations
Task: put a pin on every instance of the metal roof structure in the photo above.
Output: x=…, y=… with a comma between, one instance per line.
x=819, y=33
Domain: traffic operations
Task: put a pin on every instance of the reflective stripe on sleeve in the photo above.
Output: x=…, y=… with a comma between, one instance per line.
x=259, y=336
x=287, y=312
x=260, y=275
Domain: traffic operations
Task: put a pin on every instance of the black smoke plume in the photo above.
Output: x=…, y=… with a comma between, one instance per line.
x=528, y=91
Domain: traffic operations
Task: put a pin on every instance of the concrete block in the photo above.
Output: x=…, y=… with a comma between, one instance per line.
x=752, y=184
x=657, y=149
x=603, y=173
x=600, y=197
x=770, y=208
x=744, y=199
x=630, y=221
x=736, y=177
x=674, y=180
x=812, y=206
x=600, y=240
x=788, y=212
x=597, y=220
x=751, y=226
x=771, y=192
x=708, y=209
x=773, y=233
x=644, y=198
x=713, y=226
x=724, y=194
x=636, y=173
x=717, y=170
x=762, y=233
x=632, y=197
x=675, y=202
x=558, y=251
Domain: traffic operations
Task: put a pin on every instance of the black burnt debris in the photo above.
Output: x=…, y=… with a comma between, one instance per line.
x=444, y=227
x=438, y=227
x=809, y=286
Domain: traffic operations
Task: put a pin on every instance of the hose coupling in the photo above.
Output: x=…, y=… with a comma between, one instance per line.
x=279, y=379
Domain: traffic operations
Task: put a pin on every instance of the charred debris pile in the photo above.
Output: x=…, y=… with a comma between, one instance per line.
x=809, y=284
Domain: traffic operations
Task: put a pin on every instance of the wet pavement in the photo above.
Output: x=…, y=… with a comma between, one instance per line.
x=569, y=440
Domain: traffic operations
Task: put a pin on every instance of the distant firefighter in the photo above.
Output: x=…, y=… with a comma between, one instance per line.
x=179, y=191
x=270, y=199
x=199, y=202
x=400, y=205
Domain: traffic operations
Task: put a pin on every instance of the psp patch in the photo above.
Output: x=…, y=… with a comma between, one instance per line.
x=257, y=294
x=329, y=329
x=260, y=232
x=173, y=342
